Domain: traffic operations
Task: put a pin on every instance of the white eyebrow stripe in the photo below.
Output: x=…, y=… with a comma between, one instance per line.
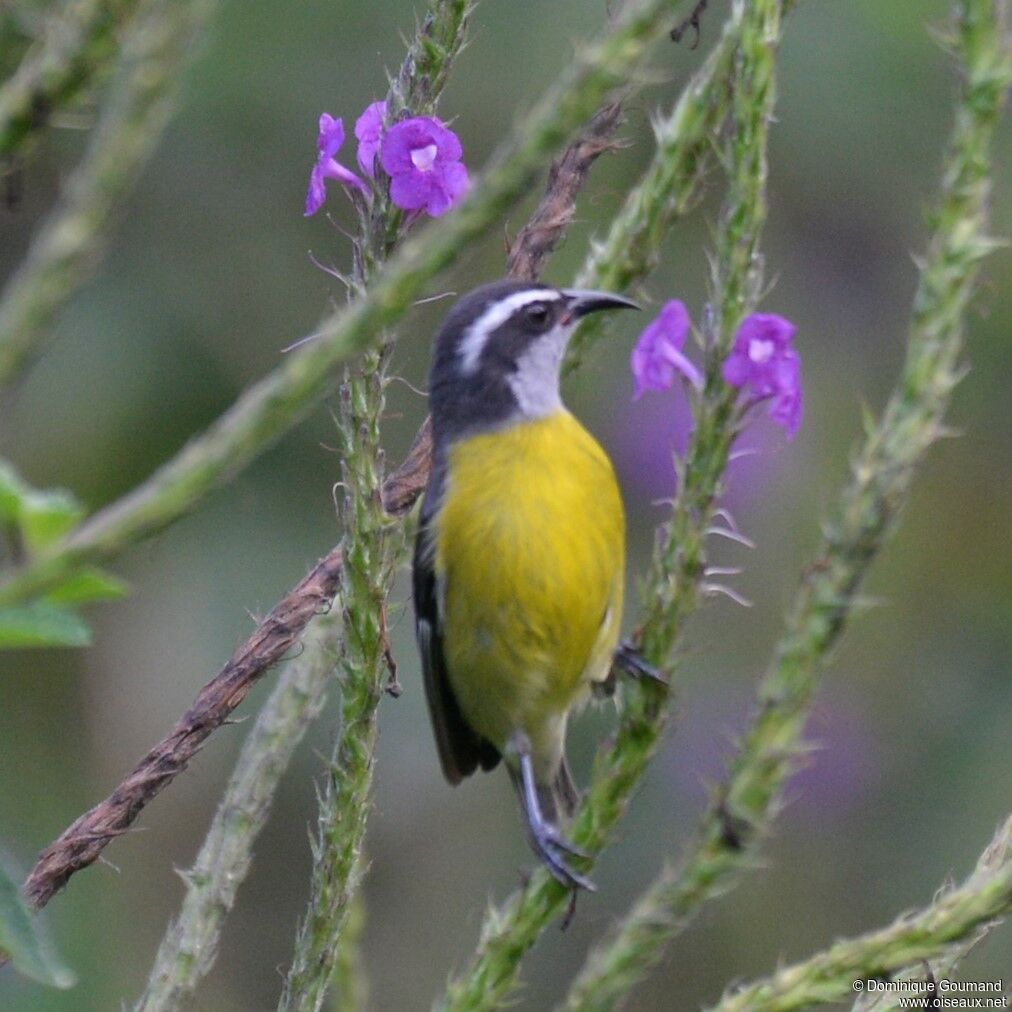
x=475, y=338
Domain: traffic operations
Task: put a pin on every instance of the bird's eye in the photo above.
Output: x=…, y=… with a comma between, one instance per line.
x=537, y=314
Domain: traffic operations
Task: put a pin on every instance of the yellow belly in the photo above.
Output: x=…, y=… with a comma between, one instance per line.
x=530, y=545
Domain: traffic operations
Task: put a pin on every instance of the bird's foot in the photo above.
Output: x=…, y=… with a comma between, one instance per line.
x=545, y=837
x=553, y=849
x=629, y=661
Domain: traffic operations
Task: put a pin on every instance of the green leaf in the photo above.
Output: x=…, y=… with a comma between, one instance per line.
x=46, y=516
x=89, y=584
x=42, y=624
x=19, y=941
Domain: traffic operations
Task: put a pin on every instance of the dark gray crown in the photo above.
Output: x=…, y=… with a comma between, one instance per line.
x=476, y=351
x=498, y=353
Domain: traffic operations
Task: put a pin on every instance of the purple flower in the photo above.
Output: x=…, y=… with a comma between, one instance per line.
x=328, y=143
x=658, y=352
x=763, y=360
x=369, y=131
x=422, y=159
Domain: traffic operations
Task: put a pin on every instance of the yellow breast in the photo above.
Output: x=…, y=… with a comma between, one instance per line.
x=530, y=543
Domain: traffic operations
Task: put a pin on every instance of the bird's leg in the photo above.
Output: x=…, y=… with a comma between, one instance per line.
x=544, y=837
x=629, y=661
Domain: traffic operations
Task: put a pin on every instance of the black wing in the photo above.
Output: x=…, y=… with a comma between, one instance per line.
x=461, y=749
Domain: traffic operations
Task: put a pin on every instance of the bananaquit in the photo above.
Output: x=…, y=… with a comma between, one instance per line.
x=519, y=561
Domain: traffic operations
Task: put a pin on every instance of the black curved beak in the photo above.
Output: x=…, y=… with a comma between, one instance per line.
x=582, y=302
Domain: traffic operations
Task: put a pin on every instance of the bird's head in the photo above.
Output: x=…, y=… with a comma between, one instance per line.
x=499, y=352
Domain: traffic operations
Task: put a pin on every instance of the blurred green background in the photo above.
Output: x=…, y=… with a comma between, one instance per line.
x=208, y=277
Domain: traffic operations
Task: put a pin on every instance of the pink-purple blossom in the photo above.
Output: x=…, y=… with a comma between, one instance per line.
x=763, y=360
x=328, y=143
x=422, y=158
x=658, y=356
x=369, y=133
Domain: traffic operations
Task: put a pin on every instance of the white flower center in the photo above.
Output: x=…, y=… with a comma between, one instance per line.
x=423, y=158
x=760, y=351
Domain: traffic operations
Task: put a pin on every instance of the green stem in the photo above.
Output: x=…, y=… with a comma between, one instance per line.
x=870, y=502
x=271, y=407
x=344, y=803
x=667, y=189
x=349, y=985
x=190, y=945
x=78, y=45
x=189, y=948
x=510, y=930
x=160, y=40
x=437, y=43
x=913, y=938
x=326, y=951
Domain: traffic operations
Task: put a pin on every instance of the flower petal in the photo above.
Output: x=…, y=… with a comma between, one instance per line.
x=369, y=132
x=682, y=365
x=787, y=411
x=446, y=141
x=317, y=192
x=736, y=369
x=763, y=359
x=409, y=190
x=335, y=170
x=449, y=185
x=675, y=322
x=398, y=143
x=658, y=356
x=331, y=136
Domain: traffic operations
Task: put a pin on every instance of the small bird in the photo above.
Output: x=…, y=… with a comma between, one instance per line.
x=519, y=561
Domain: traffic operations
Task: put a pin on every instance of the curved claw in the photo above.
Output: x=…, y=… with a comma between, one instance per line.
x=548, y=846
x=552, y=832
x=545, y=838
x=629, y=660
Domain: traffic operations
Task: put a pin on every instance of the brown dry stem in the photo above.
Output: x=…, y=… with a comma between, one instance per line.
x=81, y=844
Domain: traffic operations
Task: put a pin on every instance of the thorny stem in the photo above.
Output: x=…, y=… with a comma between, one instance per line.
x=510, y=930
x=371, y=546
x=870, y=503
x=78, y=45
x=953, y=916
x=423, y=73
x=942, y=964
x=189, y=948
x=190, y=945
x=83, y=842
x=160, y=40
x=667, y=189
x=271, y=407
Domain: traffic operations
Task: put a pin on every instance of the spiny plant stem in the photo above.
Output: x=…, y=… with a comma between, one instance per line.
x=667, y=189
x=912, y=939
x=190, y=945
x=160, y=40
x=870, y=502
x=344, y=802
x=370, y=549
x=349, y=985
x=438, y=41
x=678, y=563
x=323, y=954
x=509, y=931
x=940, y=966
x=78, y=46
x=271, y=407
